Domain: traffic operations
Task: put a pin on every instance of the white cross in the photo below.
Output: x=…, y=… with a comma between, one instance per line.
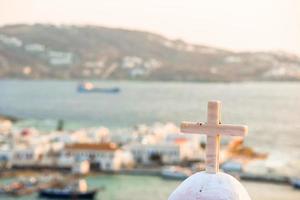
x=213, y=129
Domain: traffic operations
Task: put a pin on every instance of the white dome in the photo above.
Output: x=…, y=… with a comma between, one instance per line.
x=204, y=186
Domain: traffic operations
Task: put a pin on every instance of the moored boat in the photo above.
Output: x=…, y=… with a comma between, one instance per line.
x=296, y=183
x=78, y=190
x=175, y=172
x=88, y=87
x=20, y=187
x=66, y=194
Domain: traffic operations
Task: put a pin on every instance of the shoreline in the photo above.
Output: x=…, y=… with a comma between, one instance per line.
x=150, y=80
x=245, y=177
x=127, y=183
x=9, y=117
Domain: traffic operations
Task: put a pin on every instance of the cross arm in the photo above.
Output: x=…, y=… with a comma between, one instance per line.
x=219, y=129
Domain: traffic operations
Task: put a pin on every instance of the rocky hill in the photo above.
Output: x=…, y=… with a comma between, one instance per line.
x=65, y=52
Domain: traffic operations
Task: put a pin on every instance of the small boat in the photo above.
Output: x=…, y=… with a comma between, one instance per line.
x=175, y=172
x=66, y=194
x=78, y=190
x=20, y=187
x=88, y=87
x=232, y=167
x=296, y=183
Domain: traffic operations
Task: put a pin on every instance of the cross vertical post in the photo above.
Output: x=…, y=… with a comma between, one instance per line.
x=213, y=141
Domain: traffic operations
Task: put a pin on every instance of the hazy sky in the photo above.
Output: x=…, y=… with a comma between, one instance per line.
x=232, y=24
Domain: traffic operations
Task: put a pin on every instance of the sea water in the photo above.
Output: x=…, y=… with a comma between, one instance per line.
x=128, y=187
x=270, y=109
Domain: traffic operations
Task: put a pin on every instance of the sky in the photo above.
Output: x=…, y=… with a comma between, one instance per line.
x=238, y=25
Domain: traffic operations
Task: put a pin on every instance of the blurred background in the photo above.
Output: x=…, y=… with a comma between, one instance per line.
x=93, y=92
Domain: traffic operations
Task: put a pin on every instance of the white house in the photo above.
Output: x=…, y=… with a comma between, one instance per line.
x=137, y=72
x=98, y=135
x=35, y=48
x=72, y=137
x=10, y=41
x=5, y=126
x=130, y=62
x=102, y=156
x=190, y=144
x=147, y=154
x=170, y=151
x=162, y=143
x=6, y=154
x=28, y=155
x=81, y=167
x=58, y=58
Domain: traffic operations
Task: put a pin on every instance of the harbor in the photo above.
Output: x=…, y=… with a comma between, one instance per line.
x=132, y=187
x=108, y=153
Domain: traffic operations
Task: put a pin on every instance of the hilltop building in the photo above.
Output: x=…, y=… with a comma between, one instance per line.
x=59, y=58
x=35, y=48
x=10, y=41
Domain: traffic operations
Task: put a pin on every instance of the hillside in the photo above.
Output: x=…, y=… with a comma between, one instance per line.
x=66, y=52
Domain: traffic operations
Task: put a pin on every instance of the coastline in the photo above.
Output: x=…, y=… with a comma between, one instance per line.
x=244, y=177
x=130, y=187
x=8, y=117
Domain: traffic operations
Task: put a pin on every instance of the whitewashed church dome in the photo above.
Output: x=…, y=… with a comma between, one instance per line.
x=205, y=186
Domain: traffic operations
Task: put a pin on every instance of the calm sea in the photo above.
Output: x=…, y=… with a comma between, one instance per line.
x=126, y=187
x=271, y=110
